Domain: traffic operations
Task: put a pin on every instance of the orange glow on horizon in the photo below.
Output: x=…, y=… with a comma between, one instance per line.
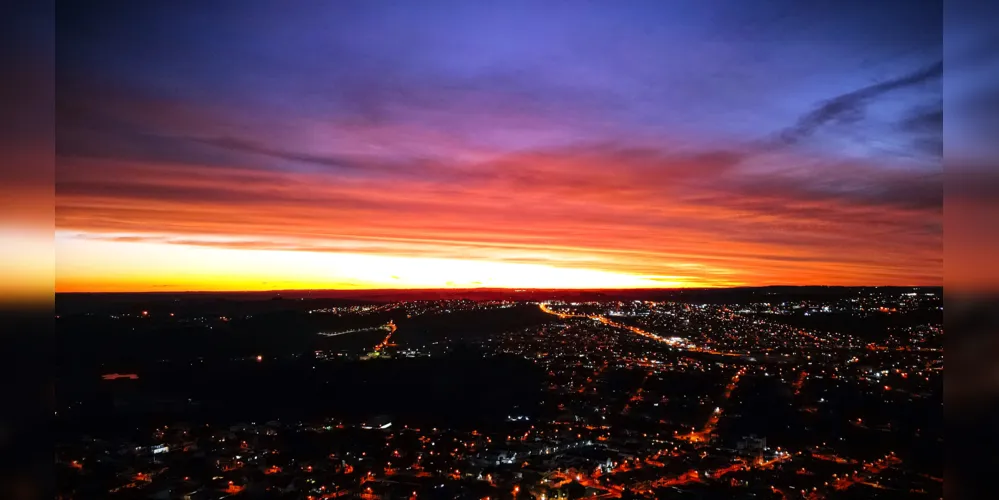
x=89, y=266
x=528, y=221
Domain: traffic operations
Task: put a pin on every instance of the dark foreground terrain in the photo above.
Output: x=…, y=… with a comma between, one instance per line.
x=753, y=393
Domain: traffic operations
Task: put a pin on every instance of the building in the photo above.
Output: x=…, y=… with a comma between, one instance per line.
x=752, y=445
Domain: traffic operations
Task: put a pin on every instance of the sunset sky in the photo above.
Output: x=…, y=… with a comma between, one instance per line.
x=583, y=144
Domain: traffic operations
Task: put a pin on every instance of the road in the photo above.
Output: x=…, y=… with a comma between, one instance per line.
x=707, y=432
x=638, y=331
x=386, y=341
x=604, y=320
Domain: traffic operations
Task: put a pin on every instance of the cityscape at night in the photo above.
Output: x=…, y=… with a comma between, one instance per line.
x=786, y=394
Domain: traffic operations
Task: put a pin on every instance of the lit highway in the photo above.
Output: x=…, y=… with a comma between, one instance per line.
x=638, y=331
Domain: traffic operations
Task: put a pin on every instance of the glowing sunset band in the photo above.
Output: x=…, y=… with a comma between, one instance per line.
x=555, y=221
x=89, y=265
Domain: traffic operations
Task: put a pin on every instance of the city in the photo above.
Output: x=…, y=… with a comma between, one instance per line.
x=504, y=398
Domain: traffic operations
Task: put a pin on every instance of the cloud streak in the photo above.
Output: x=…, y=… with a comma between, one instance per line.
x=849, y=108
x=626, y=211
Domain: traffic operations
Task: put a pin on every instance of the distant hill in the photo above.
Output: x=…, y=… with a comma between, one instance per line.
x=70, y=303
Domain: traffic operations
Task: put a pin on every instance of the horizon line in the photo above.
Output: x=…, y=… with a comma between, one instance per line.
x=481, y=289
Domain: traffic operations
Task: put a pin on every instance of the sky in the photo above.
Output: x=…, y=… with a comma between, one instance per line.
x=536, y=144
